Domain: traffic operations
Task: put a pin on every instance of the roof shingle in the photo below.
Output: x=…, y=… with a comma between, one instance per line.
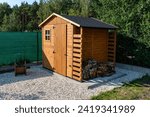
x=89, y=22
x=81, y=21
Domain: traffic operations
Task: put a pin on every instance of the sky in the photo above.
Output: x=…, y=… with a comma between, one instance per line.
x=18, y=2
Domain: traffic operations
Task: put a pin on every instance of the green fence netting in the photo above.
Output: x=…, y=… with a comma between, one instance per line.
x=14, y=45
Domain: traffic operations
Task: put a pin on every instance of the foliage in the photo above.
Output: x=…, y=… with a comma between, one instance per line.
x=4, y=10
x=136, y=90
x=131, y=17
x=44, y=11
x=20, y=60
x=131, y=51
x=19, y=18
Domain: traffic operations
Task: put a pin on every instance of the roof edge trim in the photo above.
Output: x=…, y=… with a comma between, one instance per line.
x=54, y=14
x=105, y=23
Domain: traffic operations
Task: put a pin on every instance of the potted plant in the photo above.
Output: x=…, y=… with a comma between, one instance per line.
x=20, y=66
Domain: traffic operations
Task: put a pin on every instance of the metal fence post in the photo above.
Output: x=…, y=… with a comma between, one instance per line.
x=37, y=38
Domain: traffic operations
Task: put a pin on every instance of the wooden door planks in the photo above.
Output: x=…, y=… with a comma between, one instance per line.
x=60, y=49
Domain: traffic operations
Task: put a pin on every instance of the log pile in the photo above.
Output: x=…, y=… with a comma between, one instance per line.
x=93, y=69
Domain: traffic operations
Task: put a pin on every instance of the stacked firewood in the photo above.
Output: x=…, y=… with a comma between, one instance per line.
x=93, y=69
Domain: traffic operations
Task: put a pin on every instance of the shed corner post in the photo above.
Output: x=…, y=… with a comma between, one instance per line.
x=81, y=33
x=37, y=39
x=115, y=44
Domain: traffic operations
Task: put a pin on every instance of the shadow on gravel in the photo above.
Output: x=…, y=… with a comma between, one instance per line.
x=14, y=96
x=143, y=82
x=33, y=73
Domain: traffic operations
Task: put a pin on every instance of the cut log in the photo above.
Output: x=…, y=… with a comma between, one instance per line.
x=92, y=69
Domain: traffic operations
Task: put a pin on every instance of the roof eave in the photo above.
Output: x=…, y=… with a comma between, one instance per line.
x=54, y=14
x=99, y=27
x=114, y=27
x=40, y=25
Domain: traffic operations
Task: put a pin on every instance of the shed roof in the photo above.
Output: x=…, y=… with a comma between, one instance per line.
x=82, y=21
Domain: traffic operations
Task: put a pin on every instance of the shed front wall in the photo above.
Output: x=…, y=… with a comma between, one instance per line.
x=94, y=44
x=47, y=49
x=48, y=46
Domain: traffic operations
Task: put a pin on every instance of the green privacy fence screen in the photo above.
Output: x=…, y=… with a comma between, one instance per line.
x=14, y=45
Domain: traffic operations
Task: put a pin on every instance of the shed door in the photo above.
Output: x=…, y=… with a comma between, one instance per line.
x=60, y=52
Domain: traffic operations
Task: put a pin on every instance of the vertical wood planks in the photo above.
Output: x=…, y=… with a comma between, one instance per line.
x=69, y=49
x=95, y=44
x=60, y=49
x=70, y=46
x=47, y=48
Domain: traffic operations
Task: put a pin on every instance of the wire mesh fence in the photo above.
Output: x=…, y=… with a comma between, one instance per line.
x=14, y=45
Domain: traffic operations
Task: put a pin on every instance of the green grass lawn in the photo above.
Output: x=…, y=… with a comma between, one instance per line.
x=136, y=90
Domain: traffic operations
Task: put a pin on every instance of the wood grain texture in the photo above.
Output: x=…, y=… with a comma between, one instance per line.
x=112, y=46
x=69, y=49
x=60, y=58
x=49, y=47
x=69, y=46
x=95, y=44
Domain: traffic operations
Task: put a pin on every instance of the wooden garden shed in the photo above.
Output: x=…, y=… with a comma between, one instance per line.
x=67, y=41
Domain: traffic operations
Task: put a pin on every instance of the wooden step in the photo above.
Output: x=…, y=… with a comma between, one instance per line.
x=111, y=59
x=76, y=77
x=76, y=73
x=77, y=45
x=76, y=59
x=111, y=34
x=111, y=40
x=76, y=69
x=76, y=50
x=77, y=40
x=76, y=55
x=77, y=64
x=111, y=48
x=111, y=54
x=111, y=51
x=110, y=44
x=111, y=37
x=77, y=36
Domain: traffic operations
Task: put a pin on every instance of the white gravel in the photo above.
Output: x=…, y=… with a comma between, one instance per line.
x=41, y=84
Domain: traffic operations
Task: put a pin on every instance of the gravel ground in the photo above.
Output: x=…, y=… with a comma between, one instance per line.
x=42, y=84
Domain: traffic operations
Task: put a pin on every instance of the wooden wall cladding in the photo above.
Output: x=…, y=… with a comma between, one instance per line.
x=69, y=49
x=77, y=54
x=81, y=45
x=95, y=44
x=48, y=45
x=112, y=46
x=48, y=48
